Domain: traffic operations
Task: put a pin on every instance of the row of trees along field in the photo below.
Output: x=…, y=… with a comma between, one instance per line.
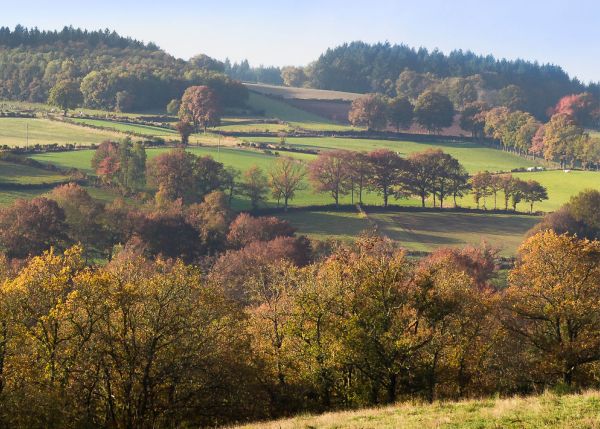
x=400, y=71
x=265, y=330
x=563, y=139
x=102, y=70
x=431, y=173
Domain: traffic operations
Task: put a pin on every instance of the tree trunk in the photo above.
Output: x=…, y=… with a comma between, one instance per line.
x=391, y=388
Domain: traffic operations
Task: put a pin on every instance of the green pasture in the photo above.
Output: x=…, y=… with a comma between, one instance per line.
x=419, y=230
x=473, y=156
x=131, y=128
x=297, y=118
x=22, y=174
x=301, y=93
x=19, y=132
x=562, y=186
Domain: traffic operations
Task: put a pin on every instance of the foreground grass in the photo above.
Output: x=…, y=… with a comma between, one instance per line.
x=544, y=411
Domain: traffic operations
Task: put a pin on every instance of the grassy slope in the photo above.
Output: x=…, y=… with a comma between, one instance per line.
x=45, y=132
x=301, y=93
x=299, y=118
x=22, y=174
x=544, y=411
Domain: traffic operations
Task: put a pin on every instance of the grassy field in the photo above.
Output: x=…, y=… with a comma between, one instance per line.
x=297, y=118
x=133, y=128
x=9, y=105
x=22, y=174
x=428, y=230
x=473, y=156
x=419, y=230
x=323, y=225
x=544, y=411
x=301, y=93
x=561, y=186
x=13, y=132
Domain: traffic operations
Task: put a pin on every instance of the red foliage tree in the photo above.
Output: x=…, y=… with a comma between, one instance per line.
x=583, y=108
x=246, y=229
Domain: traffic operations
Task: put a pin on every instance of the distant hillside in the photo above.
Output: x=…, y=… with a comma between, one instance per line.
x=465, y=77
x=288, y=92
x=104, y=63
x=545, y=411
x=362, y=67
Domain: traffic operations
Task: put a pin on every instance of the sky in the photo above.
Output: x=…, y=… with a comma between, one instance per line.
x=286, y=32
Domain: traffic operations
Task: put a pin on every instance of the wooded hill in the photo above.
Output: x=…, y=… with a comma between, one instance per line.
x=104, y=64
x=362, y=67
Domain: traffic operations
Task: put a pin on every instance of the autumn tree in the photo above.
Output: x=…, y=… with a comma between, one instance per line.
x=578, y=217
x=185, y=130
x=411, y=84
x=387, y=168
x=561, y=138
x=472, y=118
x=330, y=173
x=286, y=177
x=246, y=229
x=230, y=182
x=29, y=227
x=200, y=106
x=552, y=306
x=512, y=97
x=180, y=174
x=434, y=111
x=255, y=186
x=582, y=108
x=480, y=185
x=124, y=101
x=211, y=219
x=400, y=112
x=173, y=106
x=433, y=172
x=82, y=215
x=369, y=111
x=359, y=170
x=65, y=95
x=421, y=172
x=293, y=76
x=121, y=164
x=105, y=161
x=533, y=192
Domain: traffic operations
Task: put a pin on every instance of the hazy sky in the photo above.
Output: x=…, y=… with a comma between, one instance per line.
x=270, y=32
